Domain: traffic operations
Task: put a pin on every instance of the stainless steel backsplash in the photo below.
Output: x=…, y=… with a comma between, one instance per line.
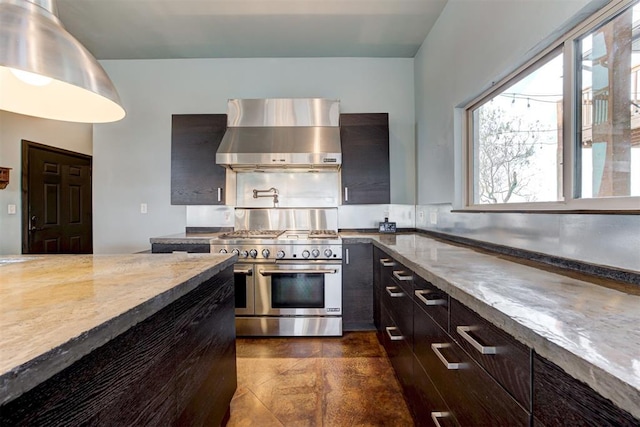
x=607, y=240
x=295, y=189
x=286, y=219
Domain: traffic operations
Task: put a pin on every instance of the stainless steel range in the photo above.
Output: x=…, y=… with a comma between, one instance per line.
x=288, y=281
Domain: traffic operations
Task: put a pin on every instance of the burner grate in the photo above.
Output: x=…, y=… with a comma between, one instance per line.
x=323, y=234
x=252, y=234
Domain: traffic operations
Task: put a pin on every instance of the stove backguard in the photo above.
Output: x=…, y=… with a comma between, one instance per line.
x=286, y=219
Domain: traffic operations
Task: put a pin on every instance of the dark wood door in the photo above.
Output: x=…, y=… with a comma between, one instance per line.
x=365, y=158
x=357, y=287
x=195, y=177
x=56, y=202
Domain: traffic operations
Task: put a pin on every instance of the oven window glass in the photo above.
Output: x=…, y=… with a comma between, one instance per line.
x=240, y=281
x=297, y=290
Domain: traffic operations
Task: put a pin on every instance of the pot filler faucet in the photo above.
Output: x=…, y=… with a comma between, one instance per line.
x=274, y=191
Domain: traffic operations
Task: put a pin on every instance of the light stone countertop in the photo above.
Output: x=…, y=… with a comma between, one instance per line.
x=591, y=331
x=54, y=309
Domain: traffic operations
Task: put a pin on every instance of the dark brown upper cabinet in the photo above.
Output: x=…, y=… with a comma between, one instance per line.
x=195, y=177
x=365, y=158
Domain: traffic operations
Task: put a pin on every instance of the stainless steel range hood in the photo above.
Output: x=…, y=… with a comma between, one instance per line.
x=281, y=134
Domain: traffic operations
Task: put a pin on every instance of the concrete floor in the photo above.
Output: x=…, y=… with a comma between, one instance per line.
x=328, y=382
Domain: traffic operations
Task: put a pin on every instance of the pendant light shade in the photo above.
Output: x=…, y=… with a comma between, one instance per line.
x=45, y=72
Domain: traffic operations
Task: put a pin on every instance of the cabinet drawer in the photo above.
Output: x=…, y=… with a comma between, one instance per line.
x=397, y=300
x=473, y=397
x=192, y=248
x=433, y=301
x=506, y=359
x=398, y=350
x=425, y=332
x=560, y=399
x=426, y=403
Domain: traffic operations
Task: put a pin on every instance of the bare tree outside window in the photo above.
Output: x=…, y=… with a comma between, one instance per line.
x=517, y=139
x=505, y=151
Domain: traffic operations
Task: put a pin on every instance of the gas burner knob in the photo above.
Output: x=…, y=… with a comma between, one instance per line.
x=280, y=254
x=236, y=251
x=305, y=254
x=315, y=253
x=265, y=253
x=328, y=253
x=223, y=251
x=253, y=253
x=244, y=254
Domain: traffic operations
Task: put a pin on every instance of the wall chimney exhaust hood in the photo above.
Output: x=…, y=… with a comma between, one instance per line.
x=297, y=134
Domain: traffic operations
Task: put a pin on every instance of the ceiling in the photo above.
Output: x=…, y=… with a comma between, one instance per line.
x=160, y=29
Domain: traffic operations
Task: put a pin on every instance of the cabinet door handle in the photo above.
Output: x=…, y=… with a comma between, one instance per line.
x=392, y=337
x=482, y=349
x=346, y=256
x=392, y=294
x=451, y=366
x=346, y=194
x=420, y=293
x=398, y=275
x=387, y=262
x=219, y=194
x=435, y=416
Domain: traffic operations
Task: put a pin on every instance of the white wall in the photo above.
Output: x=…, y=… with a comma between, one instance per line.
x=472, y=44
x=132, y=157
x=13, y=129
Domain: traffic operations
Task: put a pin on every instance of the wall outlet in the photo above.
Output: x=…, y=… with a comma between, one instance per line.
x=11, y=209
x=421, y=216
x=143, y=208
x=227, y=217
x=385, y=214
x=433, y=217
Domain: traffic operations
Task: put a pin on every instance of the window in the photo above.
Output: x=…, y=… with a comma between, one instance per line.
x=562, y=135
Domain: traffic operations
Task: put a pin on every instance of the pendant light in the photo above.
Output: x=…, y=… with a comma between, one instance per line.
x=45, y=72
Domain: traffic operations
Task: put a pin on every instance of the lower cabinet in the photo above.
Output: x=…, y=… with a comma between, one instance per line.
x=456, y=368
x=357, y=289
x=443, y=383
x=560, y=399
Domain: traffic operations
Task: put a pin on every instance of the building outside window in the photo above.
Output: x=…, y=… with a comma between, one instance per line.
x=563, y=132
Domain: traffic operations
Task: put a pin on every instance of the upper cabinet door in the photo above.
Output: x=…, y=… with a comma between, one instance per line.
x=195, y=177
x=365, y=158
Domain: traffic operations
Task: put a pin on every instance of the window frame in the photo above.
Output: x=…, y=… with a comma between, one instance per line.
x=568, y=45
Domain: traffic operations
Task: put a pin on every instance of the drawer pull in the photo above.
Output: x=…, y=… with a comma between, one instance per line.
x=435, y=416
x=398, y=275
x=452, y=366
x=391, y=336
x=482, y=349
x=392, y=294
x=387, y=262
x=420, y=293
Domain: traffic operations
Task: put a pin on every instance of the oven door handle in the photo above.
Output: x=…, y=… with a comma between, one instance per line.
x=247, y=271
x=294, y=271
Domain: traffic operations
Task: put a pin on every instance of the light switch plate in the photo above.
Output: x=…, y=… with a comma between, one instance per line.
x=11, y=209
x=143, y=208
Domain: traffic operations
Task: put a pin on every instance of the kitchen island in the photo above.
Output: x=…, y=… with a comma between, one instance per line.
x=116, y=339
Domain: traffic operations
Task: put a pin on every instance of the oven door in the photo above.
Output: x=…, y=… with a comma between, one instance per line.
x=244, y=288
x=299, y=289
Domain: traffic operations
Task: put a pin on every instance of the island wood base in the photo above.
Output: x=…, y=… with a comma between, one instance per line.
x=177, y=367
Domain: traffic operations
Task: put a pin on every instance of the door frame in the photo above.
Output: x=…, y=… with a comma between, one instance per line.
x=26, y=146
